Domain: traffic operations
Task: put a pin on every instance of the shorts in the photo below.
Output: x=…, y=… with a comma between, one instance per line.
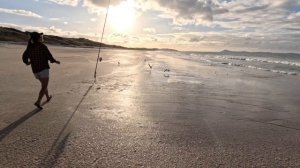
x=43, y=74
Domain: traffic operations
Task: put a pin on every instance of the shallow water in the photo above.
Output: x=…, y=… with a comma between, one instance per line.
x=276, y=63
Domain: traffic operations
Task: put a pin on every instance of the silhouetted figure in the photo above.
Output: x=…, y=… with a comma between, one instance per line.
x=150, y=66
x=37, y=55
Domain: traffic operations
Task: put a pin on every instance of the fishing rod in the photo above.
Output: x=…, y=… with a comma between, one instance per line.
x=80, y=102
x=100, y=58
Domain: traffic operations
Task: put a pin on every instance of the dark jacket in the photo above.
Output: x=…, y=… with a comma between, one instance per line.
x=38, y=56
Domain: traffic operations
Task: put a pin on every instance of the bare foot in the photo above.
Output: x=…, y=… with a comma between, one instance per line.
x=38, y=106
x=49, y=98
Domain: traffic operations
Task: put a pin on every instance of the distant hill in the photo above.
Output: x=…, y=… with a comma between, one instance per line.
x=246, y=53
x=14, y=35
x=17, y=36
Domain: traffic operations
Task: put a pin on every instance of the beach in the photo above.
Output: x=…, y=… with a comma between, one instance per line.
x=188, y=110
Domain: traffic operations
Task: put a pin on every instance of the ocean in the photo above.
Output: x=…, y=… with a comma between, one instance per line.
x=274, y=63
x=185, y=64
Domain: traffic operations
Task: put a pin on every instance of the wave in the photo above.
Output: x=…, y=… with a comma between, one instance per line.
x=220, y=60
x=259, y=68
x=261, y=60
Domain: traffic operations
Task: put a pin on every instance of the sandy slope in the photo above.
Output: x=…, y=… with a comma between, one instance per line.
x=136, y=117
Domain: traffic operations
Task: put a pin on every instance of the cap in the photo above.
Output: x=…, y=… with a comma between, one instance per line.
x=35, y=35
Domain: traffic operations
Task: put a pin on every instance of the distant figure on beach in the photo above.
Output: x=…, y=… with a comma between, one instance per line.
x=37, y=55
x=150, y=66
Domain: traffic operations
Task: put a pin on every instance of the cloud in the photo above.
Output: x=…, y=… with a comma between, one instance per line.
x=100, y=6
x=102, y=3
x=55, y=19
x=149, y=30
x=195, y=12
x=251, y=9
x=177, y=28
x=294, y=16
x=66, y=2
x=196, y=39
x=20, y=12
x=52, y=30
x=94, y=8
x=259, y=17
x=189, y=9
x=206, y=12
x=284, y=3
x=93, y=19
x=181, y=12
x=87, y=3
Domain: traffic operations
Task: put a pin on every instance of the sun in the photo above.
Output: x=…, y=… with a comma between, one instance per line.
x=122, y=17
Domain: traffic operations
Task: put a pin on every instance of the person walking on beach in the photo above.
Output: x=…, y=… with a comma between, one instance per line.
x=37, y=55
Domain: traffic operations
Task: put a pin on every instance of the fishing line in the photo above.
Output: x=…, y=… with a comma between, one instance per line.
x=100, y=58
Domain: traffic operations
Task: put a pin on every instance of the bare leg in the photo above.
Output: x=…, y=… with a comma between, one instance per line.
x=44, y=83
x=46, y=93
x=49, y=97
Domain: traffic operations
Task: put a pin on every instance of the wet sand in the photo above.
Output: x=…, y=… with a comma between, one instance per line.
x=140, y=117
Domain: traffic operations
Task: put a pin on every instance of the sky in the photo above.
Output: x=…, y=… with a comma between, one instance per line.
x=186, y=25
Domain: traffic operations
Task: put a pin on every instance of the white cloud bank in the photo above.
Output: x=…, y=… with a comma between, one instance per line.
x=52, y=30
x=66, y=2
x=20, y=12
x=149, y=30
